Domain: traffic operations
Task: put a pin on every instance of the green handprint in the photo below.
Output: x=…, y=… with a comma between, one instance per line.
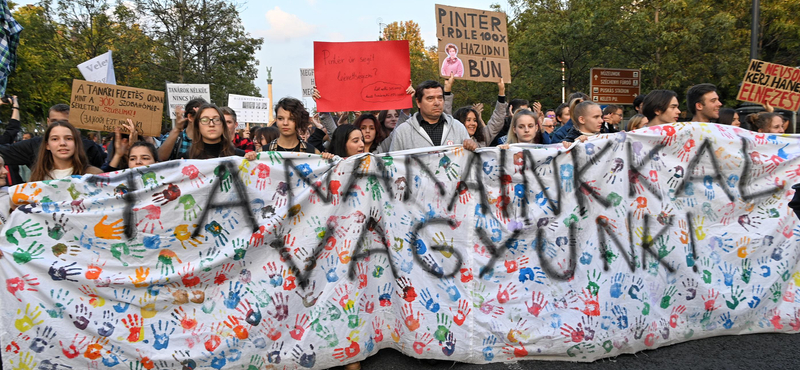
x=666, y=301
x=149, y=179
x=123, y=249
x=24, y=256
x=275, y=157
x=24, y=231
x=75, y=194
x=224, y=176
x=375, y=187
x=593, y=276
x=190, y=207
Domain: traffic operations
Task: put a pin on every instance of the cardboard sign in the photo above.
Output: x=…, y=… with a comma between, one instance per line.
x=99, y=69
x=362, y=75
x=773, y=84
x=103, y=107
x=307, y=81
x=614, y=86
x=250, y=108
x=180, y=94
x=473, y=44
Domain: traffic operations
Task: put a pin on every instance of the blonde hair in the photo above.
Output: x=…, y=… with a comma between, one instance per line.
x=512, y=136
x=636, y=122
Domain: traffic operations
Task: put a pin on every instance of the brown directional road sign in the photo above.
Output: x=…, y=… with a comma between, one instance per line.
x=614, y=86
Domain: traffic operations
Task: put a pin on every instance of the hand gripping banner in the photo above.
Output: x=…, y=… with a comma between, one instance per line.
x=625, y=243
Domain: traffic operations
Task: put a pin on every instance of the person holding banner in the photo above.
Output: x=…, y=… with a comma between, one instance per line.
x=347, y=141
x=373, y=134
x=661, y=107
x=210, y=135
x=524, y=129
x=574, y=99
x=292, y=119
x=430, y=126
x=703, y=103
x=766, y=122
x=177, y=144
x=589, y=122
x=471, y=118
x=61, y=155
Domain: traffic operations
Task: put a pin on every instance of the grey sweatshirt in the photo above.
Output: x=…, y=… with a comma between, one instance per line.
x=409, y=134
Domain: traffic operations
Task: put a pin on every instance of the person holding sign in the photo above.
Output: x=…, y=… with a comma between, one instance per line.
x=430, y=126
x=452, y=65
x=660, y=107
x=61, y=155
x=471, y=118
x=121, y=148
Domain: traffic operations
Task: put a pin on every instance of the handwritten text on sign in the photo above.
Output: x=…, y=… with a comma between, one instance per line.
x=773, y=84
x=362, y=75
x=103, y=107
x=473, y=44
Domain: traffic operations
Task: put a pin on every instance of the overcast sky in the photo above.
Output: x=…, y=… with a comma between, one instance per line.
x=289, y=29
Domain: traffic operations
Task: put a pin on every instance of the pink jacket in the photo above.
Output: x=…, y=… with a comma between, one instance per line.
x=454, y=66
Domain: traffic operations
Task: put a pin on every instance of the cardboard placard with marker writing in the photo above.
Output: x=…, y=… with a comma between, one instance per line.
x=104, y=107
x=473, y=44
x=773, y=84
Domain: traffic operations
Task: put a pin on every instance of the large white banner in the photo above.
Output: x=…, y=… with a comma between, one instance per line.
x=627, y=242
x=99, y=69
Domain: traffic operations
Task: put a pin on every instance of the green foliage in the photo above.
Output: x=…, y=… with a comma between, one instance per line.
x=153, y=41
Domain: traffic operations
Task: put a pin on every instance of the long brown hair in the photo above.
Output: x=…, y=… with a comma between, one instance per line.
x=44, y=159
x=198, y=149
x=512, y=136
x=380, y=131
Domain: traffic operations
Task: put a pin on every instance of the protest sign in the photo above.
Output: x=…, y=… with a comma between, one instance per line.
x=180, y=94
x=359, y=76
x=307, y=81
x=104, y=107
x=250, y=109
x=773, y=84
x=99, y=69
x=473, y=44
x=627, y=242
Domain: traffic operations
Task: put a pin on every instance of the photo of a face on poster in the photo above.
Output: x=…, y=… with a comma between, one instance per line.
x=452, y=64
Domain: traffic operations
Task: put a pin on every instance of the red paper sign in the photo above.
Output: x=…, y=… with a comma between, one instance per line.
x=360, y=76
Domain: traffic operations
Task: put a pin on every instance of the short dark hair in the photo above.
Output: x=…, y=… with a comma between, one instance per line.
x=297, y=112
x=429, y=84
x=150, y=147
x=611, y=108
x=60, y=108
x=560, y=111
x=726, y=116
x=576, y=95
x=637, y=101
x=230, y=112
x=516, y=103
x=695, y=95
x=192, y=104
x=657, y=100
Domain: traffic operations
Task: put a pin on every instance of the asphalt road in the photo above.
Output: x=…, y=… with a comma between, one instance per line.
x=752, y=351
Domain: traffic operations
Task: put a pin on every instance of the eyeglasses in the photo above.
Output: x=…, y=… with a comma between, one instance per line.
x=548, y=126
x=551, y=116
x=205, y=121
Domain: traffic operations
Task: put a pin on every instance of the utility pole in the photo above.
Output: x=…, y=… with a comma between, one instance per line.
x=754, y=29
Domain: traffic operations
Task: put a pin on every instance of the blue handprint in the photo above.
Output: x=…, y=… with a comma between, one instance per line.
x=430, y=304
x=488, y=350
x=566, y=177
x=616, y=287
x=234, y=295
x=161, y=335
